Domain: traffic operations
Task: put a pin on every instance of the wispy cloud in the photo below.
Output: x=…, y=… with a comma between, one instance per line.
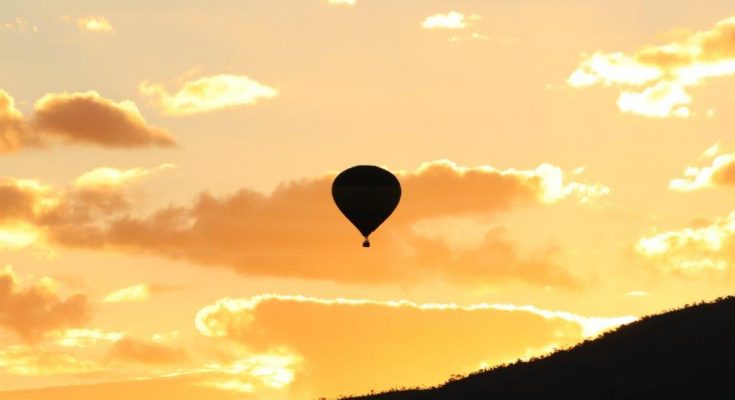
x=205, y=94
x=343, y=2
x=18, y=25
x=140, y=292
x=85, y=337
x=147, y=352
x=108, y=178
x=135, y=293
x=473, y=36
x=208, y=323
x=95, y=24
x=33, y=362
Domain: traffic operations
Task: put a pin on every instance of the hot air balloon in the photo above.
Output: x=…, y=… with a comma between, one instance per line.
x=366, y=195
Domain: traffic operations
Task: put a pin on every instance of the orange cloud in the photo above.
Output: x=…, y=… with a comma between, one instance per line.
x=34, y=311
x=31, y=207
x=90, y=118
x=298, y=232
x=22, y=199
x=14, y=133
x=402, y=343
x=144, y=352
x=79, y=118
x=209, y=93
x=720, y=173
x=655, y=78
x=281, y=347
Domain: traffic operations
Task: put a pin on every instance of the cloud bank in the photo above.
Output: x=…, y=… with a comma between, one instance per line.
x=296, y=231
x=411, y=344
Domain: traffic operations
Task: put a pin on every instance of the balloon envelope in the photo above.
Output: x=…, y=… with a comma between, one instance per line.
x=366, y=195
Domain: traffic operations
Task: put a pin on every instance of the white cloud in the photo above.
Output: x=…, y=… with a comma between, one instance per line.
x=721, y=172
x=654, y=79
x=96, y=24
x=450, y=20
x=106, y=177
x=343, y=2
x=691, y=251
x=85, y=337
x=665, y=99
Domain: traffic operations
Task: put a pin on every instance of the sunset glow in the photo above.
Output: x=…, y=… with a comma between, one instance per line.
x=167, y=225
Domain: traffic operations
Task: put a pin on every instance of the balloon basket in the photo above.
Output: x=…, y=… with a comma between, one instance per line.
x=366, y=243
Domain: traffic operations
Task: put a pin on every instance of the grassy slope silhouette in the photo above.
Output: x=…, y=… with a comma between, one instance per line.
x=687, y=353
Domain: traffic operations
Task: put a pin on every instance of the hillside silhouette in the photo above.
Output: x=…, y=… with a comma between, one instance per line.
x=687, y=353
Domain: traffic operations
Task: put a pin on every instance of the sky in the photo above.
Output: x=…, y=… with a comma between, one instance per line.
x=166, y=222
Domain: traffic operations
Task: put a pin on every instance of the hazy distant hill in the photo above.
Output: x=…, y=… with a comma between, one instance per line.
x=683, y=354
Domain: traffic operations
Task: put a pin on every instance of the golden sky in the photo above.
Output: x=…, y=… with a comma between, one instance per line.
x=166, y=221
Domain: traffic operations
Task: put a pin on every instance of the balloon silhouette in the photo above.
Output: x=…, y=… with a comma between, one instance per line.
x=366, y=195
